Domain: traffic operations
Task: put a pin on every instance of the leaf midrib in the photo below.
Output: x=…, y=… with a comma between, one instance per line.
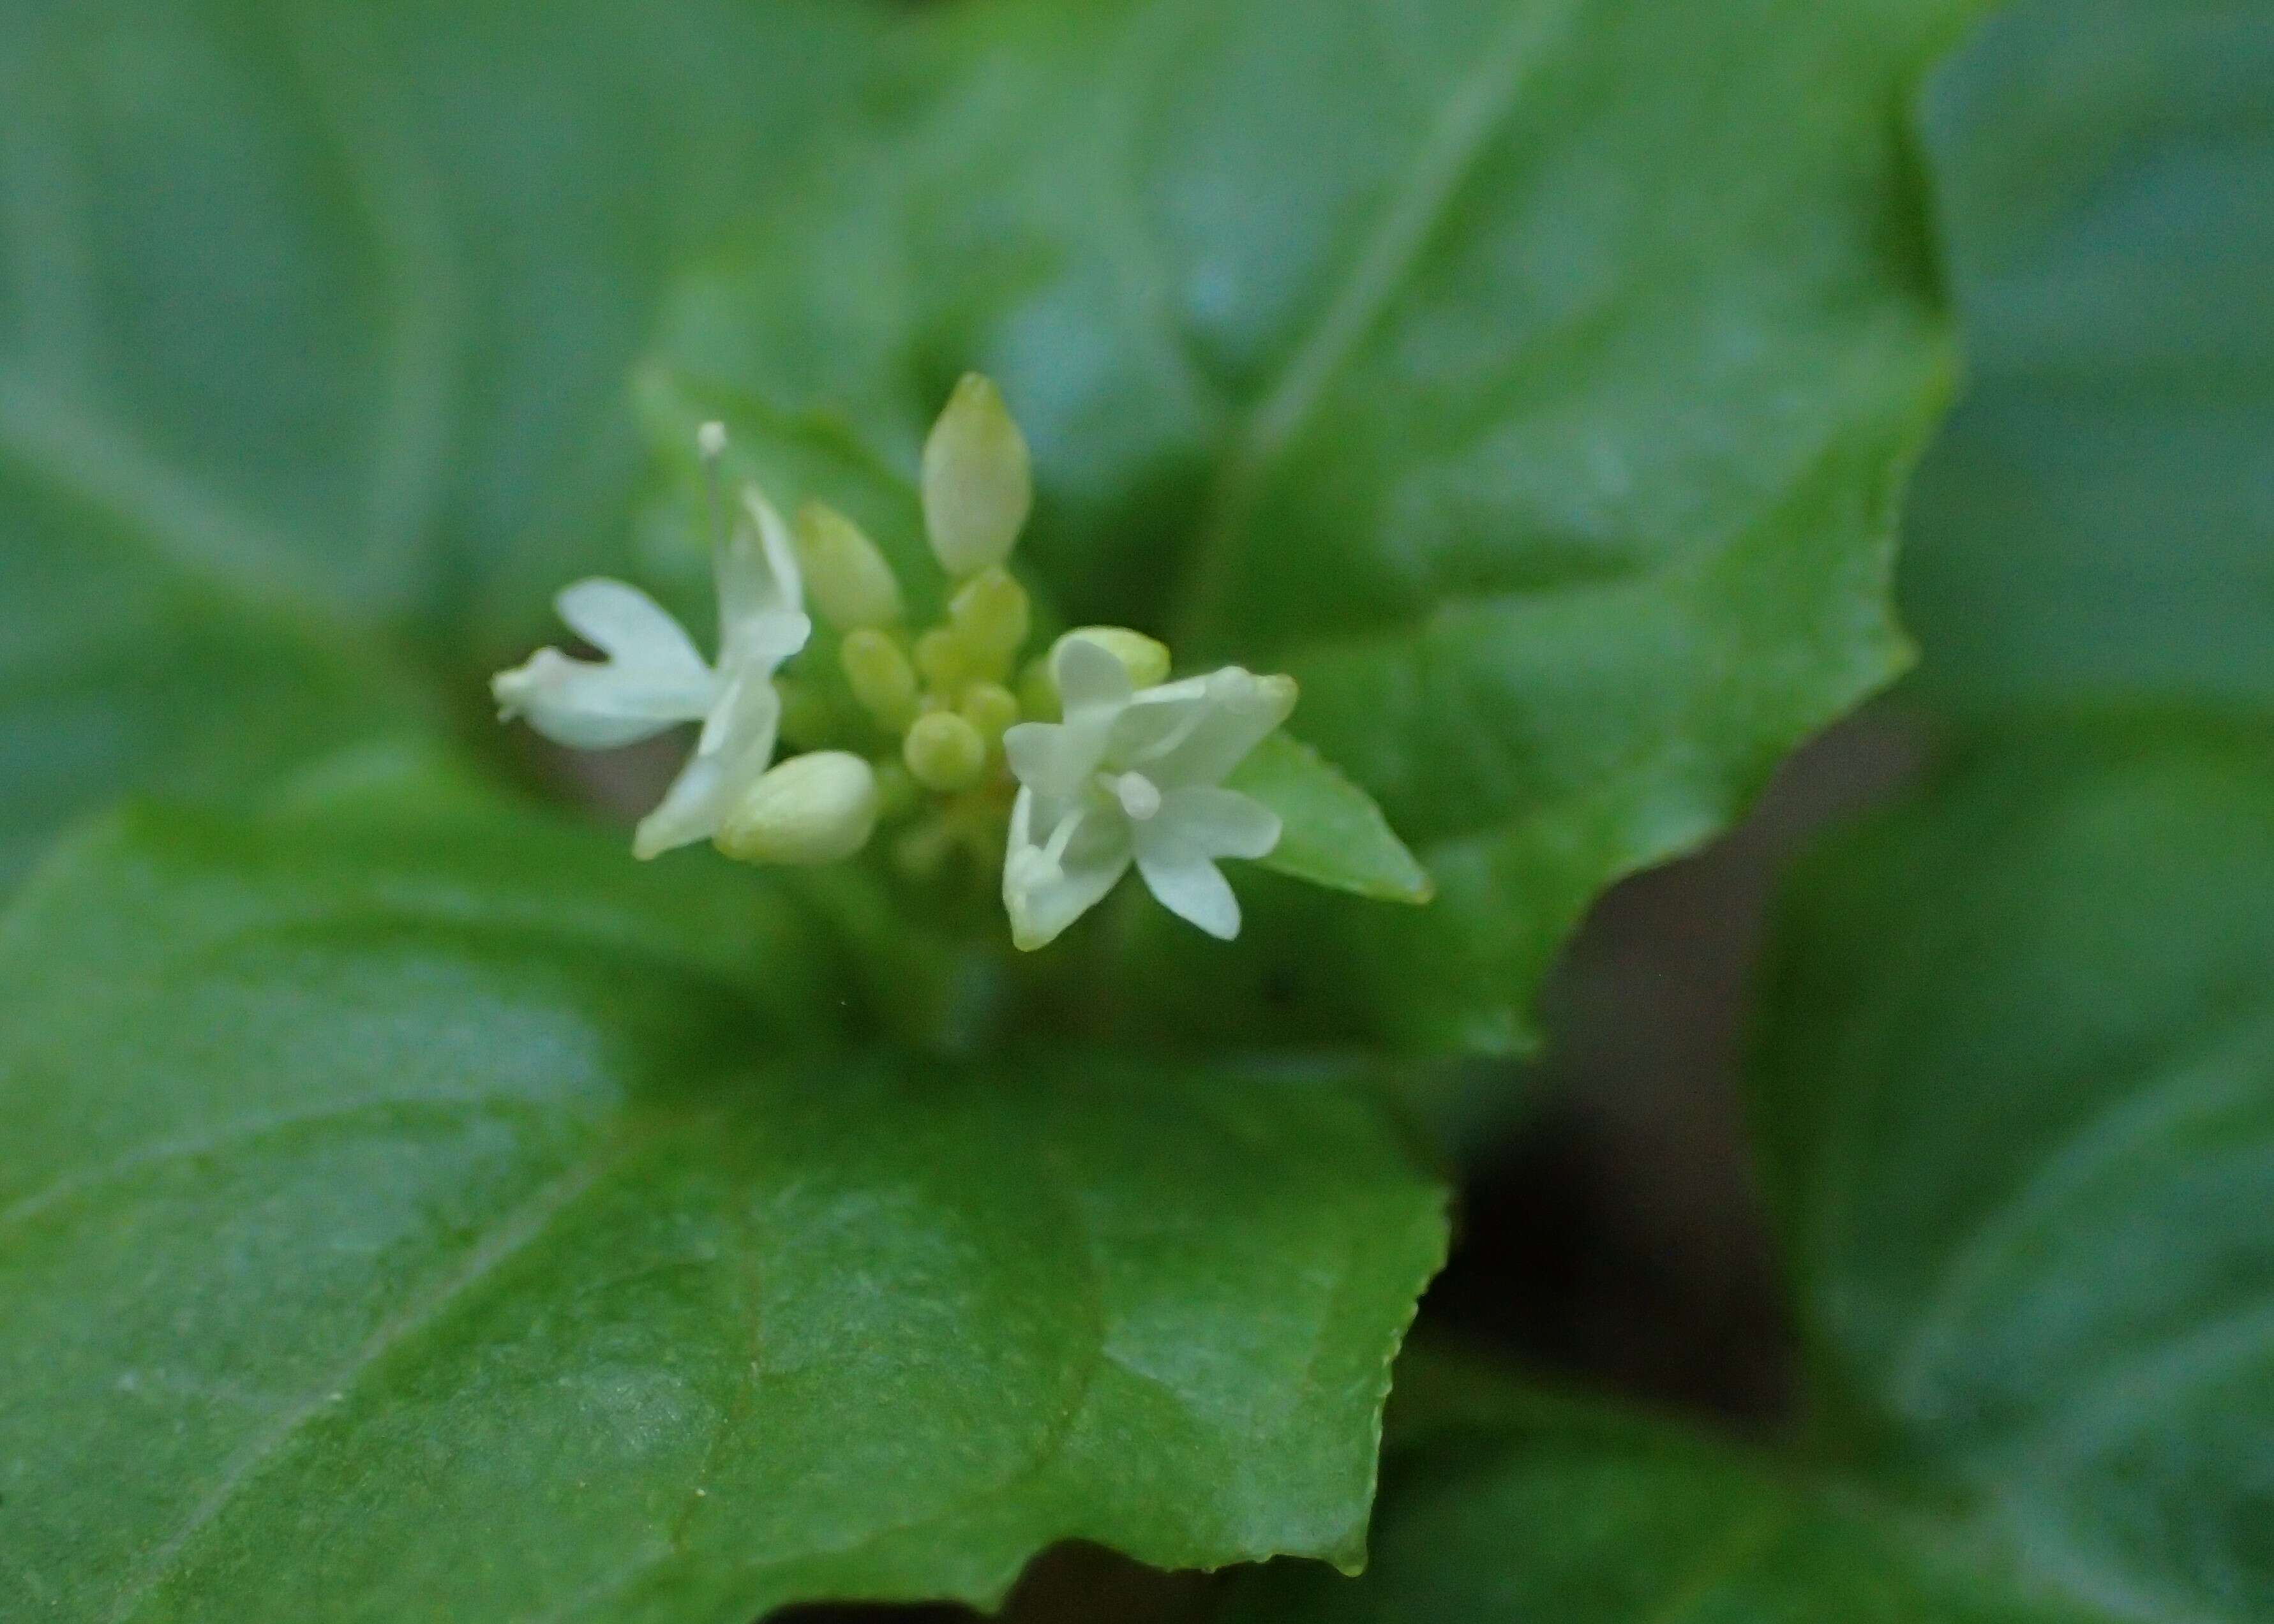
x=1415, y=208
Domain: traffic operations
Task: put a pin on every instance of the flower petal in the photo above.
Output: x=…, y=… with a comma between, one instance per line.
x=1191, y=887
x=760, y=586
x=1039, y=753
x=736, y=749
x=1090, y=678
x=1044, y=893
x=587, y=705
x=635, y=631
x=762, y=643
x=1238, y=711
x=1056, y=759
x=1209, y=821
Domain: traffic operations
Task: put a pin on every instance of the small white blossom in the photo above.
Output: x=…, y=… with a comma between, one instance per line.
x=1135, y=776
x=653, y=677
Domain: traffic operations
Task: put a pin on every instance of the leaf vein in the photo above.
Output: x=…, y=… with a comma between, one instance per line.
x=85, y=458
x=520, y=1229
x=1414, y=210
x=144, y=1157
x=2091, y=1147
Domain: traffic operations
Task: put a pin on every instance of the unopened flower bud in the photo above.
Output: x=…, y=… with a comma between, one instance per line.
x=944, y=661
x=851, y=583
x=978, y=483
x=1145, y=659
x=991, y=708
x=944, y=752
x=991, y=616
x=813, y=808
x=879, y=676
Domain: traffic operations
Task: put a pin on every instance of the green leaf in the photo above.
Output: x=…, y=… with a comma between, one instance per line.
x=2096, y=527
x=1332, y=833
x=315, y=322
x=414, y=1210
x=1547, y=425
x=115, y=671
x=2019, y=1095
x=1538, y=1510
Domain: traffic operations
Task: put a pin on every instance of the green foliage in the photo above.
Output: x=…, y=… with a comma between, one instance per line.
x=313, y=328
x=411, y=1208
x=1436, y=355
x=2020, y=1102
x=1521, y=1509
x=1333, y=834
x=2018, y=1096
x=2096, y=526
x=414, y=1209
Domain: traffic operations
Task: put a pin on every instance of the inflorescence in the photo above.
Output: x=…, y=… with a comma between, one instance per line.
x=1074, y=766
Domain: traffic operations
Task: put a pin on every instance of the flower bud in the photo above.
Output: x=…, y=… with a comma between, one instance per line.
x=991, y=616
x=944, y=752
x=813, y=808
x=879, y=676
x=944, y=661
x=991, y=708
x=1145, y=659
x=978, y=483
x=852, y=584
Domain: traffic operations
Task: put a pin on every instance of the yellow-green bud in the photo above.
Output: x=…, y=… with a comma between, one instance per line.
x=880, y=676
x=943, y=660
x=851, y=583
x=978, y=483
x=989, y=707
x=813, y=808
x=991, y=617
x=1145, y=661
x=944, y=752
x=1038, y=692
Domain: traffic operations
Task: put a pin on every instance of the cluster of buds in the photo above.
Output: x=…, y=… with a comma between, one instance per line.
x=1072, y=766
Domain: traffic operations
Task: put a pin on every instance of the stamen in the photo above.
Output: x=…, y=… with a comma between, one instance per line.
x=1060, y=838
x=710, y=441
x=1139, y=795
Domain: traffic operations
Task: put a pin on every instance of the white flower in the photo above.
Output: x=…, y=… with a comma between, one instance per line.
x=1135, y=776
x=653, y=678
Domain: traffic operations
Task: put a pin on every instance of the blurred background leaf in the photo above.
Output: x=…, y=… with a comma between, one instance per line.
x=2018, y=1097
x=1512, y=1505
x=2095, y=525
x=315, y=319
